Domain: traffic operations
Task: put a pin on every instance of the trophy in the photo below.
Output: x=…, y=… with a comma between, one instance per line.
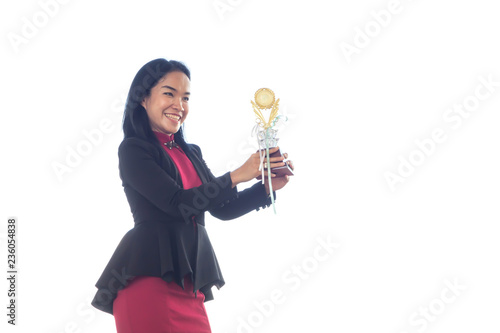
x=266, y=132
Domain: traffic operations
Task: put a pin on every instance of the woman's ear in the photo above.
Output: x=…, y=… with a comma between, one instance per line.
x=143, y=103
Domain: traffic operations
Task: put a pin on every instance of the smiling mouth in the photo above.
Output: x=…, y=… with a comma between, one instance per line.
x=175, y=117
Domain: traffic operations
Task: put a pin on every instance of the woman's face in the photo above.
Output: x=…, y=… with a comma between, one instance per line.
x=167, y=104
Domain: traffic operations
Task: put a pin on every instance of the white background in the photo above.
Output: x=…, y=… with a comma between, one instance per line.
x=350, y=122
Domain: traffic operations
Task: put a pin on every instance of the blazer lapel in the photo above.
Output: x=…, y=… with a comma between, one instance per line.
x=199, y=166
x=169, y=166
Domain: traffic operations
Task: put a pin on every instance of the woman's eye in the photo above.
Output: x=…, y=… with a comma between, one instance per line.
x=169, y=94
x=186, y=99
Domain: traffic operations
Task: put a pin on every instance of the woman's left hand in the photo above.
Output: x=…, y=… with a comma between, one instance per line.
x=279, y=182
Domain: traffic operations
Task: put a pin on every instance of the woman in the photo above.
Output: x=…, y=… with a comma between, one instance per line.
x=163, y=269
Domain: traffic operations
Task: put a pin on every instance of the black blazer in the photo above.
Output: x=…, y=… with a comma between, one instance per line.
x=169, y=239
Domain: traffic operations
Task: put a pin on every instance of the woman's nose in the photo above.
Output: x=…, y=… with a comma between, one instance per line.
x=178, y=104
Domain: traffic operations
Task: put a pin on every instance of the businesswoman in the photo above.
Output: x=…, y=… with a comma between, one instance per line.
x=163, y=269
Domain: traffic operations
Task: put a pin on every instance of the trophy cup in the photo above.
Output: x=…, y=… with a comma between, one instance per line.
x=266, y=132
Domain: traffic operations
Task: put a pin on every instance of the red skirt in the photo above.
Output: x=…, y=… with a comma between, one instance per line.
x=150, y=304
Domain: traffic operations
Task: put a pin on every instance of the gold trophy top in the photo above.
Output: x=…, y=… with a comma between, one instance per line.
x=265, y=99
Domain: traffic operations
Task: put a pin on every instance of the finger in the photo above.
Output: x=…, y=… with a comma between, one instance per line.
x=275, y=159
x=285, y=155
x=276, y=165
x=272, y=150
x=272, y=174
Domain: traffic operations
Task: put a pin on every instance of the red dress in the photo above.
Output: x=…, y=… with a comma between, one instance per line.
x=150, y=304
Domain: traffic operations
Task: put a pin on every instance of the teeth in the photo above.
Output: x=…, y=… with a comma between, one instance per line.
x=173, y=116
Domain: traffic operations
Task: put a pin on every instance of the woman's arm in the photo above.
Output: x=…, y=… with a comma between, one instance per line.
x=140, y=170
x=252, y=198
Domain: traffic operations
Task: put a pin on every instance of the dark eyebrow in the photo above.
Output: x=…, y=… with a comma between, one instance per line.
x=169, y=87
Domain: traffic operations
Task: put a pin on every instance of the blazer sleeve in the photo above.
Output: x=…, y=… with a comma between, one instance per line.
x=252, y=198
x=140, y=170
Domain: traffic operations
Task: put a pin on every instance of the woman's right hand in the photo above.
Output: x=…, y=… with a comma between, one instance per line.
x=250, y=169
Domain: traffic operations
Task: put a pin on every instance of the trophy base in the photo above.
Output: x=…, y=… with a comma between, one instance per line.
x=281, y=171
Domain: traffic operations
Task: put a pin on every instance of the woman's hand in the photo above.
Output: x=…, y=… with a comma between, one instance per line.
x=279, y=182
x=250, y=169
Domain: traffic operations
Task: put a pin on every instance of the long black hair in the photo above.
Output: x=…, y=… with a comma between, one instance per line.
x=135, y=118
